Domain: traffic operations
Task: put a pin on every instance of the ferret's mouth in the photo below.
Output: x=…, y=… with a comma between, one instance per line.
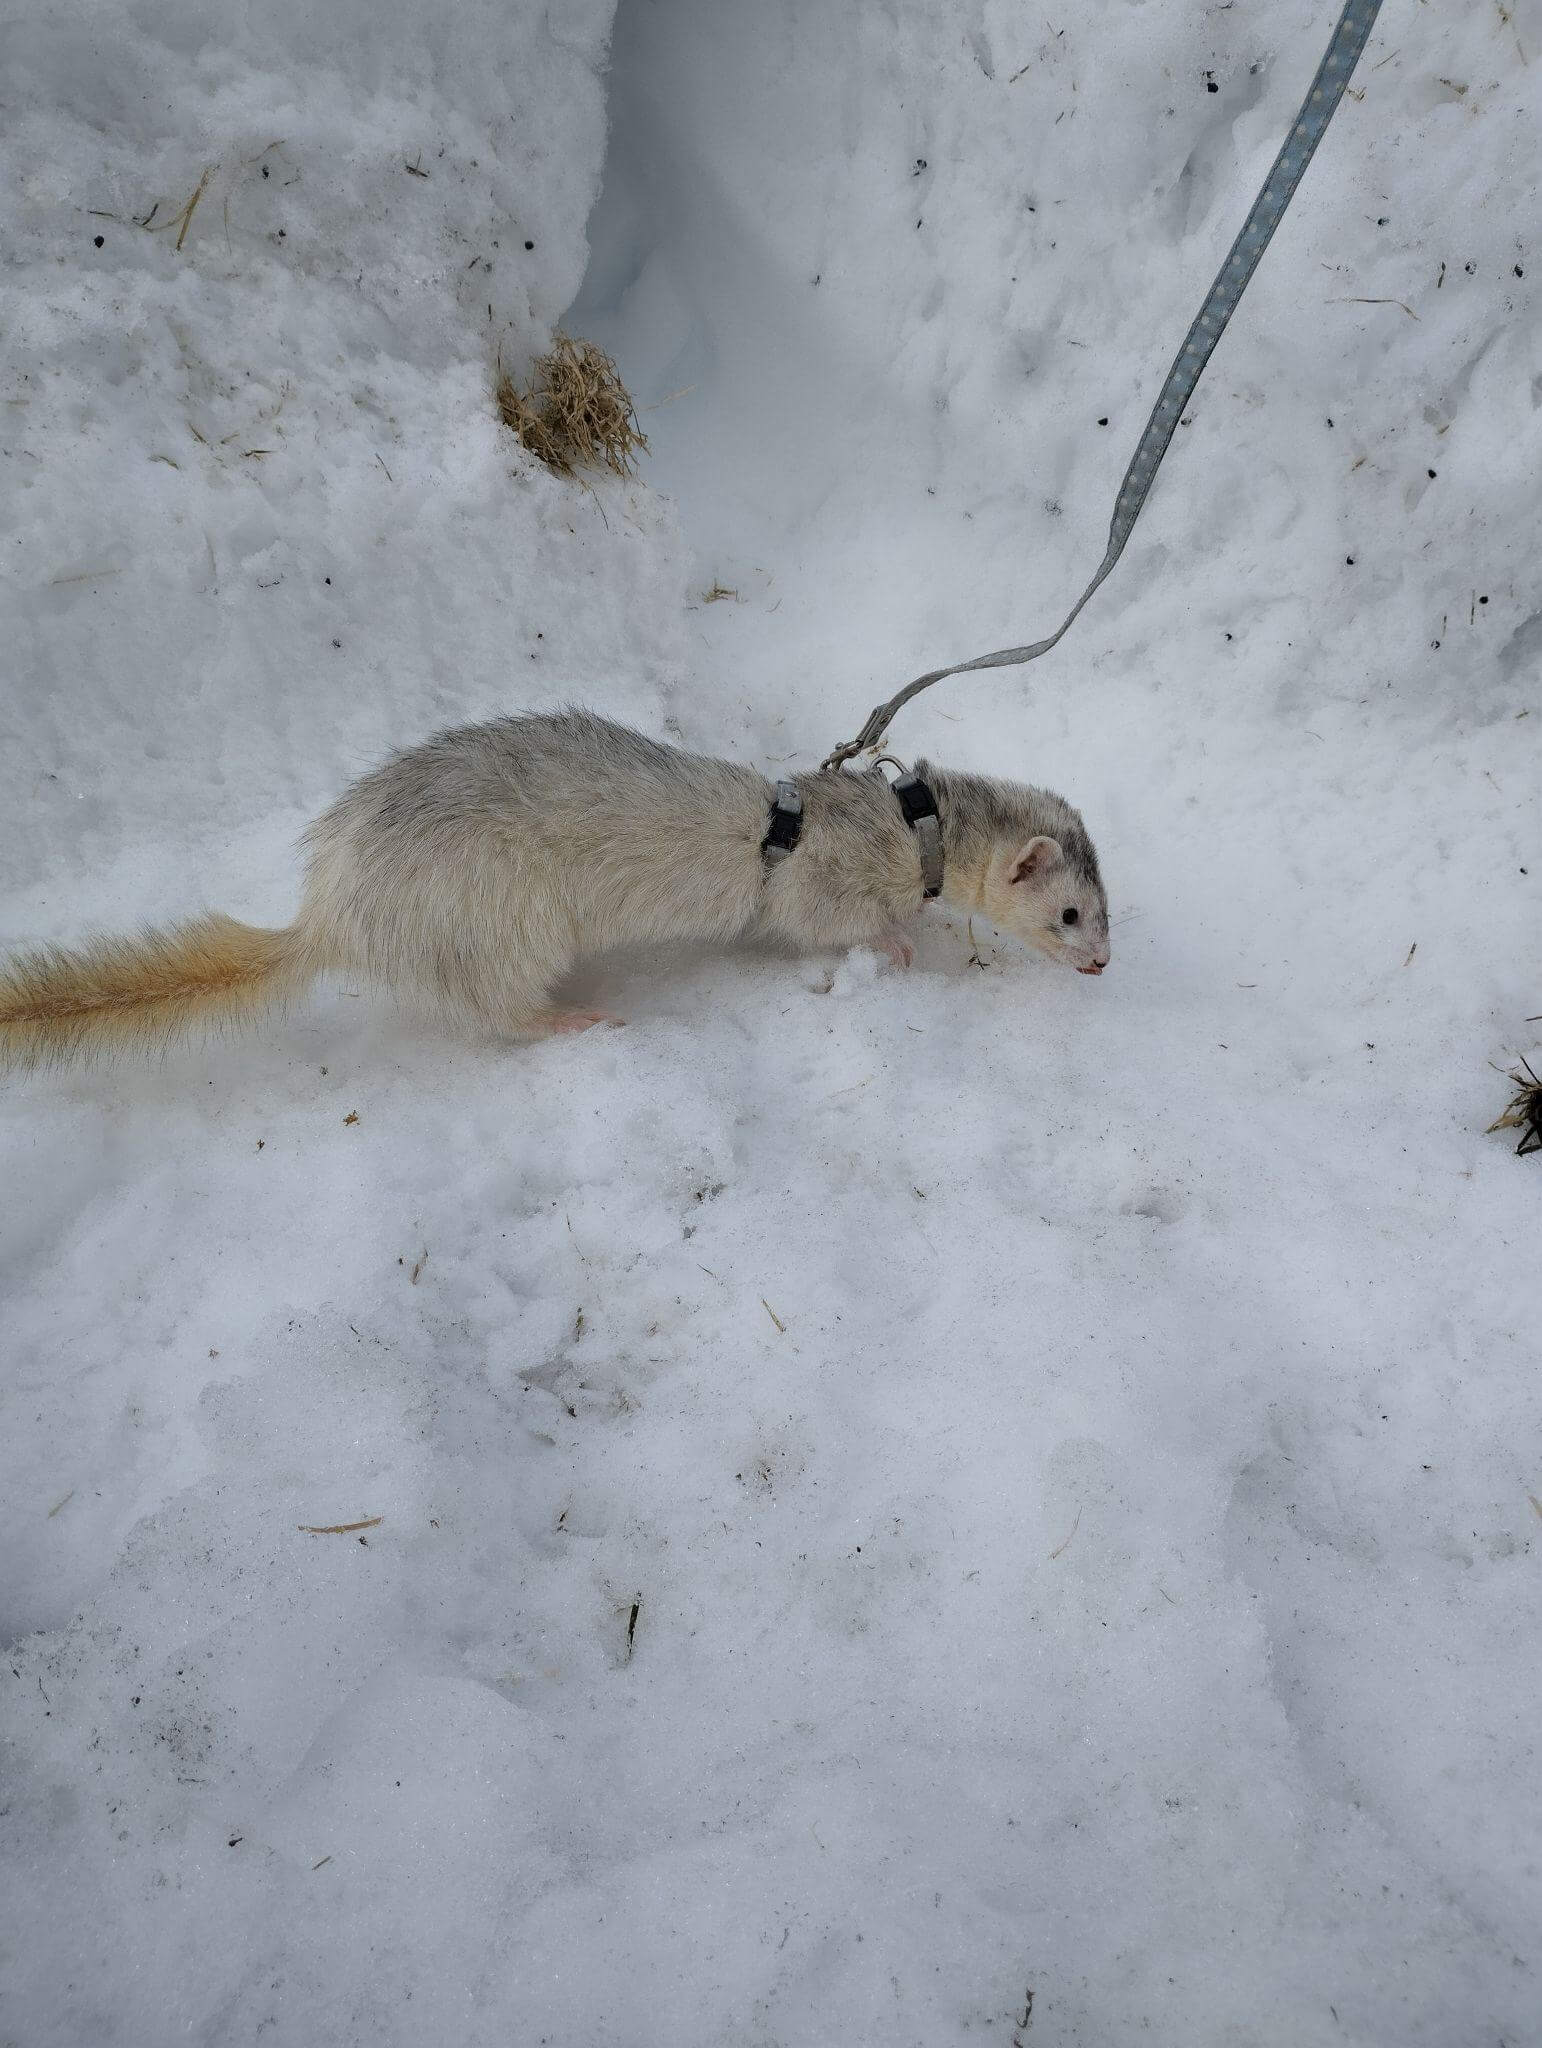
x=1095, y=968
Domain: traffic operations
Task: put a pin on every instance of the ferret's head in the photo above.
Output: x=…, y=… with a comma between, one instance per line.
x=1048, y=894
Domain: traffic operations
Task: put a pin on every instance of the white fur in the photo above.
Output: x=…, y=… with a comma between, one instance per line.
x=479, y=867
x=475, y=870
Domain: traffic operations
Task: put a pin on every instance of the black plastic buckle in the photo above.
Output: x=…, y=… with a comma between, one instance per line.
x=786, y=826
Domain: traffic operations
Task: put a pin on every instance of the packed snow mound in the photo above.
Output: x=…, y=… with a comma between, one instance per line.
x=262, y=266
x=977, y=1506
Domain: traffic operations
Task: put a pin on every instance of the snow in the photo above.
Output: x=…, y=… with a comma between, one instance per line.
x=977, y=1504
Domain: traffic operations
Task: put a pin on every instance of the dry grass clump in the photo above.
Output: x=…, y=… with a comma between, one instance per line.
x=575, y=413
x=1525, y=1112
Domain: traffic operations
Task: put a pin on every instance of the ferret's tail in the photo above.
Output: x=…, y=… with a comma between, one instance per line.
x=58, y=1005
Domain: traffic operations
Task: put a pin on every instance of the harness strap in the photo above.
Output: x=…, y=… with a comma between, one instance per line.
x=920, y=808
x=784, y=828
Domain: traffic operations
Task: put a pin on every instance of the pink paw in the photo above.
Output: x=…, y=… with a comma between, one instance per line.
x=898, y=947
x=562, y=1023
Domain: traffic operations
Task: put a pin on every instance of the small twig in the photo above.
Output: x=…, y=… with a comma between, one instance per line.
x=771, y=1312
x=599, y=507
x=1375, y=302
x=339, y=1528
x=839, y=1092
x=631, y=1626
x=87, y=576
x=61, y=1504
x=572, y=1233
x=1067, y=1543
x=186, y=215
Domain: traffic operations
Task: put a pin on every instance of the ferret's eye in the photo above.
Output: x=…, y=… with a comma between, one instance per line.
x=1068, y=916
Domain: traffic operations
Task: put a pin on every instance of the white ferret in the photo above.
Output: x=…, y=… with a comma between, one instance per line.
x=477, y=869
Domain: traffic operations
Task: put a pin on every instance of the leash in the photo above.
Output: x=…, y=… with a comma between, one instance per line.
x=1279, y=188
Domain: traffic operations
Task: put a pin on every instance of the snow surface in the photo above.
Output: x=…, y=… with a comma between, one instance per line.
x=971, y=1506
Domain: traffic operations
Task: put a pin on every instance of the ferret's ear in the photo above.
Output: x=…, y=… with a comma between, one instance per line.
x=1036, y=858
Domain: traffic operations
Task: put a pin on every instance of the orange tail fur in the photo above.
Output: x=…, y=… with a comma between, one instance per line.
x=58, y=1005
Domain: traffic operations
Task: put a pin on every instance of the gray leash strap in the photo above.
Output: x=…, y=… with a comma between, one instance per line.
x=1279, y=188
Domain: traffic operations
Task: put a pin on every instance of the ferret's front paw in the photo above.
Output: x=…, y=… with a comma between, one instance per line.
x=897, y=945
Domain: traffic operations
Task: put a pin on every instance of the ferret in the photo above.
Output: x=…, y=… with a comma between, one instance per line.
x=477, y=869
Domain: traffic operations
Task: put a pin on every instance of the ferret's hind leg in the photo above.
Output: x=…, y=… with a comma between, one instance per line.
x=524, y=1013
x=515, y=1006
x=897, y=943
x=495, y=979
x=551, y=1023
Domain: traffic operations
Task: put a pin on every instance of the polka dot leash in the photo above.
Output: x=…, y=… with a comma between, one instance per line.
x=1268, y=209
